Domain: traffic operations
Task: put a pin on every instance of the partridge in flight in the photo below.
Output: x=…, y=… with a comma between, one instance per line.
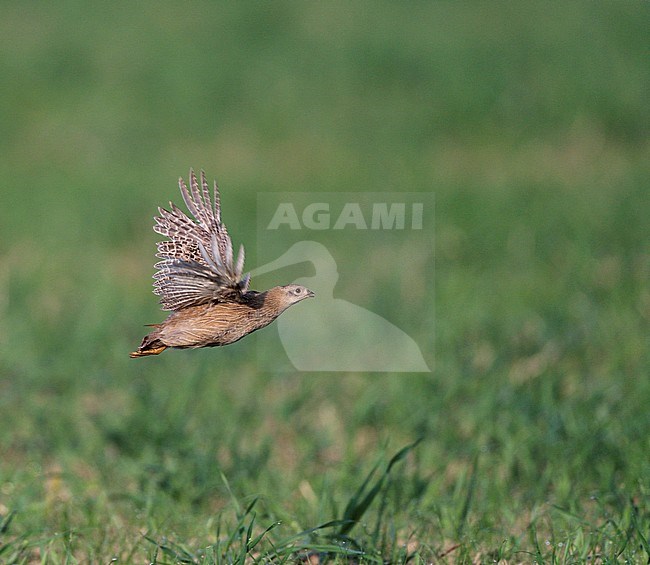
x=200, y=281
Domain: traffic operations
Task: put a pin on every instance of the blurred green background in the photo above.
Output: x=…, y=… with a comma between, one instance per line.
x=530, y=123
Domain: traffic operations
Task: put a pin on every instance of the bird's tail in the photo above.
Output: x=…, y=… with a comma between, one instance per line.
x=150, y=345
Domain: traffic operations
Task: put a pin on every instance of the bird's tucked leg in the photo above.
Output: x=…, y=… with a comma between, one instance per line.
x=150, y=345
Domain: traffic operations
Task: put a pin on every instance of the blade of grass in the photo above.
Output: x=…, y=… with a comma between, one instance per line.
x=462, y=518
x=232, y=495
x=639, y=531
x=359, y=503
x=6, y=521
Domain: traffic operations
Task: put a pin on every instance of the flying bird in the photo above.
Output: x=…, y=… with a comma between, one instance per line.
x=201, y=283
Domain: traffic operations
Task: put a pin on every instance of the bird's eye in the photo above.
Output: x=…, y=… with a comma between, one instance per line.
x=298, y=290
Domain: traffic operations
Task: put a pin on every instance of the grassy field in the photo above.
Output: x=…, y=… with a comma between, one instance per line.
x=529, y=441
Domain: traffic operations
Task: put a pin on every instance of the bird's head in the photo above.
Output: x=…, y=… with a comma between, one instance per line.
x=295, y=293
x=288, y=295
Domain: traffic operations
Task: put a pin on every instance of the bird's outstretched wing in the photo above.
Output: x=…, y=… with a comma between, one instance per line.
x=197, y=260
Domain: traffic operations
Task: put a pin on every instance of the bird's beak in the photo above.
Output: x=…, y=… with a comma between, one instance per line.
x=310, y=294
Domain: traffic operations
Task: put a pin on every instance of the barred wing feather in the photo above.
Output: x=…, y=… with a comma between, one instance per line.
x=197, y=263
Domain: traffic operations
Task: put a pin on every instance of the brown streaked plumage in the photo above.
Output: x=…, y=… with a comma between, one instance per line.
x=201, y=283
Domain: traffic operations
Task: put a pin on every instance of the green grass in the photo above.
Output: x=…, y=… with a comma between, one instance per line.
x=529, y=123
